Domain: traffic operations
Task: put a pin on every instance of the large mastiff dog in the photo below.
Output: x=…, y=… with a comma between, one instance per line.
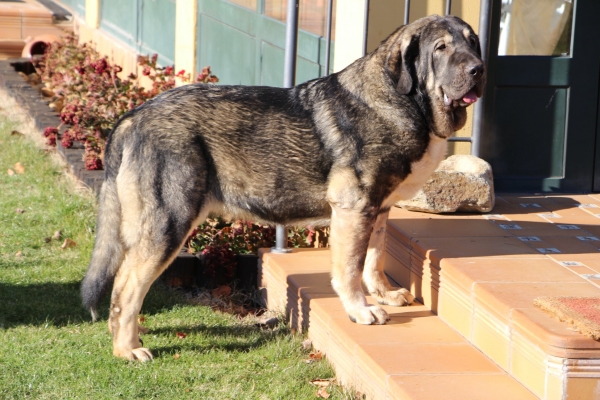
x=338, y=150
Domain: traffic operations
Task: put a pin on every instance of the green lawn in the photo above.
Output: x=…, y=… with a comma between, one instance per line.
x=50, y=349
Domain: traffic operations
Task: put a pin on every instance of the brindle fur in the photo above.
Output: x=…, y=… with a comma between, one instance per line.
x=339, y=149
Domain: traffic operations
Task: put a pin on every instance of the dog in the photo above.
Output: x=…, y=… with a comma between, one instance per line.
x=338, y=150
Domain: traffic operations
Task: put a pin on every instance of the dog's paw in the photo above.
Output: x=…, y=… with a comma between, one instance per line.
x=398, y=298
x=141, y=354
x=369, y=315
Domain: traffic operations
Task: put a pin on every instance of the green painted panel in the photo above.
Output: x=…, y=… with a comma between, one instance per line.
x=77, y=6
x=306, y=70
x=271, y=31
x=227, y=33
x=271, y=73
x=158, y=13
x=231, y=14
x=273, y=64
x=229, y=52
x=119, y=18
x=308, y=46
x=520, y=149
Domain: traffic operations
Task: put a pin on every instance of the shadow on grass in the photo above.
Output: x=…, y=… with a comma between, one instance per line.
x=55, y=304
x=59, y=304
x=227, y=338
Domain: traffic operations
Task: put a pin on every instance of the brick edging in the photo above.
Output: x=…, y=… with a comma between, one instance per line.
x=32, y=102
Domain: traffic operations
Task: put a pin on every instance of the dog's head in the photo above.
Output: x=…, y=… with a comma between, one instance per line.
x=438, y=59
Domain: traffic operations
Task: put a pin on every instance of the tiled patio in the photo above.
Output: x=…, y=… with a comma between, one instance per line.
x=475, y=333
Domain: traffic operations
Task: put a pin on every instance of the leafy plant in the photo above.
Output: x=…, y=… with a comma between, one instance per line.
x=93, y=96
x=218, y=241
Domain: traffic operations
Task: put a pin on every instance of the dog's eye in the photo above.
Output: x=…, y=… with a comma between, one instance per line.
x=441, y=47
x=473, y=41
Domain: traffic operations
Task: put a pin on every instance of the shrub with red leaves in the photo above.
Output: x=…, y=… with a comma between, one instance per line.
x=50, y=134
x=94, y=96
x=219, y=241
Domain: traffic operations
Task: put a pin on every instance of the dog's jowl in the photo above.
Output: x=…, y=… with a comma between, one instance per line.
x=338, y=150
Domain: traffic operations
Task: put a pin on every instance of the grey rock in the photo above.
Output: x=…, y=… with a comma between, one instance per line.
x=462, y=183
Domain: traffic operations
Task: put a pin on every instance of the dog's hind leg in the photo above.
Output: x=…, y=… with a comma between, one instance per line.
x=154, y=226
x=373, y=275
x=132, y=282
x=143, y=264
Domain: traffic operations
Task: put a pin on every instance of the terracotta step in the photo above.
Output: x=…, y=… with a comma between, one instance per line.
x=480, y=274
x=414, y=356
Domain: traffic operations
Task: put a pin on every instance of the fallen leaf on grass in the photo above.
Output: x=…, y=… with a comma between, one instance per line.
x=19, y=168
x=313, y=357
x=323, y=393
x=10, y=172
x=221, y=291
x=17, y=133
x=322, y=382
x=19, y=211
x=307, y=344
x=57, y=235
x=18, y=254
x=68, y=243
x=181, y=335
x=141, y=319
x=176, y=356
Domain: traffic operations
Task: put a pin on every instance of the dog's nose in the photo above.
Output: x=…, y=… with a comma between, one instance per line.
x=476, y=70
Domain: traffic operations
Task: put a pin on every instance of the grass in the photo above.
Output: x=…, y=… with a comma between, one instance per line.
x=49, y=348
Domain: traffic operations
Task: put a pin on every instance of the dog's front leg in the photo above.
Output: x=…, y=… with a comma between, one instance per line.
x=373, y=275
x=350, y=232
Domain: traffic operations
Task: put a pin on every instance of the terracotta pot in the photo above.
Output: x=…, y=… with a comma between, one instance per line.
x=37, y=45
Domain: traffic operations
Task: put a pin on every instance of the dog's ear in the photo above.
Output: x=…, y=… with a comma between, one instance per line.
x=400, y=62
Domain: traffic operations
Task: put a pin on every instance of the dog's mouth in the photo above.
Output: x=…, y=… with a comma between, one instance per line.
x=464, y=100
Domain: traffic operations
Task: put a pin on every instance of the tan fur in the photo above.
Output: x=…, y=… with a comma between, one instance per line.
x=374, y=276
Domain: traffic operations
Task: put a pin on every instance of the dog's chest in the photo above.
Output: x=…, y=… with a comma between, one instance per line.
x=421, y=170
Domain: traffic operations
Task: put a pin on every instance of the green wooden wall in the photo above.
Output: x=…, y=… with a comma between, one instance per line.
x=77, y=6
x=244, y=47
x=147, y=26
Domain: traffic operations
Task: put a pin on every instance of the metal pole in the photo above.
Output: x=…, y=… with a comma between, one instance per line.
x=366, y=25
x=448, y=7
x=289, y=79
x=328, y=36
x=280, y=240
x=485, y=18
x=291, y=44
x=406, y=11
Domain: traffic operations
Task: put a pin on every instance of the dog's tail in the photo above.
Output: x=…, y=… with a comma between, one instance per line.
x=107, y=255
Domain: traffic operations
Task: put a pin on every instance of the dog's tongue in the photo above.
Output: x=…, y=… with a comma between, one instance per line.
x=470, y=97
